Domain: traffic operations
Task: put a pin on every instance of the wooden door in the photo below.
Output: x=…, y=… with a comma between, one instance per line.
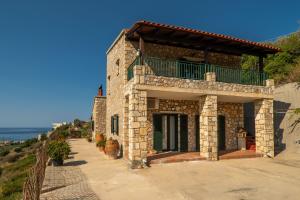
x=158, y=134
x=221, y=132
x=184, y=133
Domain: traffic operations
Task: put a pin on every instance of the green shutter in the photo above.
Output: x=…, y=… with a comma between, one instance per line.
x=117, y=125
x=158, y=136
x=112, y=124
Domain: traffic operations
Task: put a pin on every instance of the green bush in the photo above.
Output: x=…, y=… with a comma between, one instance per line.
x=44, y=137
x=4, y=152
x=18, y=149
x=58, y=150
x=12, y=158
x=29, y=142
x=101, y=143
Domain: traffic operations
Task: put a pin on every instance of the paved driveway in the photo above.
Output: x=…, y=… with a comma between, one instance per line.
x=255, y=178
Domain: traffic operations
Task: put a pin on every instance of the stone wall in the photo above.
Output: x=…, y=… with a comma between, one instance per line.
x=99, y=115
x=172, y=52
x=264, y=130
x=116, y=74
x=234, y=117
x=210, y=86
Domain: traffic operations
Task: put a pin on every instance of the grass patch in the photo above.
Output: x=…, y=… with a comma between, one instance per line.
x=13, y=177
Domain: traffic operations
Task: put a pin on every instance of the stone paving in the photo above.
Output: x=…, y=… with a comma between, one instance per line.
x=66, y=182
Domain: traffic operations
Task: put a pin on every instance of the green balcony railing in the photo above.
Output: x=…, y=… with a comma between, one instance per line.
x=196, y=71
x=137, y=61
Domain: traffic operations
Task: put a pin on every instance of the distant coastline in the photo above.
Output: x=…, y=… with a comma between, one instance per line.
x=21, y=134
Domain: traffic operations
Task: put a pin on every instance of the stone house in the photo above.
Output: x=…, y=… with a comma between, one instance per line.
x=177, y=89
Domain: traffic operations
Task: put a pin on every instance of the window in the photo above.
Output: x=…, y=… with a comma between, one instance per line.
x=117, y=66
x=115, y=124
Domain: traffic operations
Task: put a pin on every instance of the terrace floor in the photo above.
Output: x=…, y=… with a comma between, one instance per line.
x=233, y=179
x=172, y=157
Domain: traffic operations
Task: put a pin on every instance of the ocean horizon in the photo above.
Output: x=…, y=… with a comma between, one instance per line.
x=19, y=134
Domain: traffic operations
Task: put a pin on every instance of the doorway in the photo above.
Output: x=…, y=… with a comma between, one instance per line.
x=166, y=134
x=221, y=132
x=197, y=132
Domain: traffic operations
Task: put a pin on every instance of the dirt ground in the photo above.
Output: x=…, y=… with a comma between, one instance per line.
x=239, y=179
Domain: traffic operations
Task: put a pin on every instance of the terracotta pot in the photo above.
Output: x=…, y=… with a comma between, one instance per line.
x=112, y=148
x=99, y=137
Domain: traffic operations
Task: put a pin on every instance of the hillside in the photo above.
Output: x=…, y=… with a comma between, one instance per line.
x=284, y=66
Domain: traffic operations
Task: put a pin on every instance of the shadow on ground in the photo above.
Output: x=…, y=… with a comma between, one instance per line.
x=75, y=163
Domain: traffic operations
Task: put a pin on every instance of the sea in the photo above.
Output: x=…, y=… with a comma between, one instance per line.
x=20, y=134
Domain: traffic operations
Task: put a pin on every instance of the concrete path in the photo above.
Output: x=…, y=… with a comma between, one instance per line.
x=256, y=178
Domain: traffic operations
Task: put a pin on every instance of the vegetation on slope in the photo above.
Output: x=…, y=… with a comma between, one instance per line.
x=14, y=167
x=284, y=66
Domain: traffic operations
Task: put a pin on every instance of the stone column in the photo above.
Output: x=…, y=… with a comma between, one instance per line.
x=264, y=130
x=208, y=127
x=137, y=115
x=125, y=139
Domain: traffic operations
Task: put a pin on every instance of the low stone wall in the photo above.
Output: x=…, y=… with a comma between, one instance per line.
x=208, y=86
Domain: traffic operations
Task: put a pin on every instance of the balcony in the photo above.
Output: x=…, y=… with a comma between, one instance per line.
x=196, y=71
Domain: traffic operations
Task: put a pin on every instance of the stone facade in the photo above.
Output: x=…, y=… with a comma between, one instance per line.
x=115, y=71
x=234, y=118
x=208, y=127
x=171, y=52
x=99, y=115
x=206, y=98
x=264, y=130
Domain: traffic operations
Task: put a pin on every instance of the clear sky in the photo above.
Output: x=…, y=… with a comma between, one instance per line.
x=52, y=53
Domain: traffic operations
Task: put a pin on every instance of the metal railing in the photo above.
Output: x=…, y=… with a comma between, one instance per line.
x=196, y=71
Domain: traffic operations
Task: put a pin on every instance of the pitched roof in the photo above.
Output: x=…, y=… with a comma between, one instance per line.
x=197, y=39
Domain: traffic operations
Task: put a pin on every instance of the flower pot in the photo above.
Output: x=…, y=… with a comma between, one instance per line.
x=112, y=148
x=59, y=162
x=99, y=137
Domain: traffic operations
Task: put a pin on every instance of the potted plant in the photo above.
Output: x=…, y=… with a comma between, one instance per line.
x=58, y=151
x=101, y=145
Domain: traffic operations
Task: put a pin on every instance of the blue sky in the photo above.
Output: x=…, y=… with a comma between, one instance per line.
x=52, y=53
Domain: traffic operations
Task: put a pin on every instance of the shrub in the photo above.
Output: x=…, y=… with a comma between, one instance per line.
x=58, y=150
x=4, y=152
x=101, y=143
x=1, y=170
x=18, y=149
x=12, y=158
x=29, y=142
x=75, y=134
x=44, y=137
